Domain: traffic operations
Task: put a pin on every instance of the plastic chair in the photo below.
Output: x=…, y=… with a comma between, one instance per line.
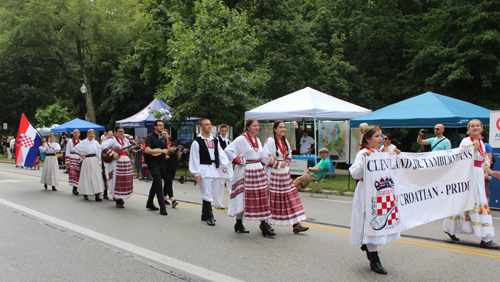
x=318, y=183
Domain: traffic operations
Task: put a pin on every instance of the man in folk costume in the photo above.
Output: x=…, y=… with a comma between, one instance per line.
x=120, y=173
x=155, y=159
x=91, y=182
x=205, y=157
x=224, y=178
x=72, y=161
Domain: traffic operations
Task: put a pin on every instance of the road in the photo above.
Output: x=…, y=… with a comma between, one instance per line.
x=56, y=236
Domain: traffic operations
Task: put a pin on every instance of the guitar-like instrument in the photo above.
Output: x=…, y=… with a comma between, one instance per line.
x=107, y=158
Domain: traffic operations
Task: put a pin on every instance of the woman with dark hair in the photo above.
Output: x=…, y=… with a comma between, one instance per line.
x=286, y=206
x=388, y=146
x=249, y=195
x=120, y=173
x=370, y=142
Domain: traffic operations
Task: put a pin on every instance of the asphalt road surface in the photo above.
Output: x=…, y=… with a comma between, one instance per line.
x=56, y=236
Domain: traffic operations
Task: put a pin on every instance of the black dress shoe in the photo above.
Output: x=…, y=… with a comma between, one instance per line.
x=152, y=207
x=238, y=227
x=54, y=188
x=163, y=212
x=85, y=197
x=97, y=198
x=452, y=237
x=265, y=230
x=45, y=186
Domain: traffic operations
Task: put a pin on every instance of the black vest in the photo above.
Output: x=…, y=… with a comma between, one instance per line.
x=205, y=155
x=223, y=143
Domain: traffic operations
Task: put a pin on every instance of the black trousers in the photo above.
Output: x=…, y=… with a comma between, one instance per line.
x=168, y=188
x=158, y=175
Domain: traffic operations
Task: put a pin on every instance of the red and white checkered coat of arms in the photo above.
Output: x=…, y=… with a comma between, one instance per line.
x=26, y=141
x=384, y=205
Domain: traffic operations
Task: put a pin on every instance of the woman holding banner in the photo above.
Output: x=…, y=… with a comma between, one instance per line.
x=370, y=142
x=477, y=221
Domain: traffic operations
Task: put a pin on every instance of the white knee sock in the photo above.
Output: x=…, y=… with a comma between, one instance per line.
x=371, y=247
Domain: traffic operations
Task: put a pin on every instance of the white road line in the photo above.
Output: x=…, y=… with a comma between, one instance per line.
x=154, y=256
x=327, y=200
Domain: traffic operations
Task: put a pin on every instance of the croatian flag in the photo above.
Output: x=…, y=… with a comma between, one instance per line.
x=27, y=143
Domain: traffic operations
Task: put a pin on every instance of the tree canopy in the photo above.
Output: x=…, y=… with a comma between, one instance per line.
x=216, y=59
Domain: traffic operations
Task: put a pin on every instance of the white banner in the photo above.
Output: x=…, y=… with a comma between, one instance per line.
x=495, y=129
x=410, y=189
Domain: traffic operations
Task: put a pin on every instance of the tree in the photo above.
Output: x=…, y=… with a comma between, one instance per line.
x=54, y=114
x=211, y=75
x=460, y=56
x=76, y=36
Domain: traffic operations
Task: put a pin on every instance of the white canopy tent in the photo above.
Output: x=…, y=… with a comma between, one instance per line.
x=307, y=104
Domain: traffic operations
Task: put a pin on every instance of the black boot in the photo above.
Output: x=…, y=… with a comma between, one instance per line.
x=105, y=194
x=365, y=249
x=375, y=263
x=207, y=207
x=54, y=188
x=98, y=198
x=268, y=226
x=265, y=229
x=74, y=190
x=238, y=227
x=45, y=186
x=120, y=203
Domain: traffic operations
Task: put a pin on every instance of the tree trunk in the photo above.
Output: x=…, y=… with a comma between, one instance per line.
x=90, y=116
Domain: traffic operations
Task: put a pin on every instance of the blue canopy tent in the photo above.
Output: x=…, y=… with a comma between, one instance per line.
x=79, y=124
x=425, y=110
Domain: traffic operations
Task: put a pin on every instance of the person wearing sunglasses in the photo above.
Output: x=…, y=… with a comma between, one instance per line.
x=438, y=143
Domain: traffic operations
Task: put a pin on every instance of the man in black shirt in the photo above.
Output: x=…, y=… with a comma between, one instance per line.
x=155, y=153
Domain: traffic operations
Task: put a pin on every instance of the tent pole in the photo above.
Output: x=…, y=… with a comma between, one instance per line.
x=349, y=158
x=315, y=141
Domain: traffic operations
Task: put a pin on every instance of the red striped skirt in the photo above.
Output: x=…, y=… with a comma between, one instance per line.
x=123, y=179
x=73, y=162
x=286, y=206
x=256, y=194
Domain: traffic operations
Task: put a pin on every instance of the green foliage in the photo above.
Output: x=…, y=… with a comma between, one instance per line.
x=53, y=114
x=209, y=75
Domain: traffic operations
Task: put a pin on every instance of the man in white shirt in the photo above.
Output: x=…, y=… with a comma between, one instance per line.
x=205, y=157
x=305, y=143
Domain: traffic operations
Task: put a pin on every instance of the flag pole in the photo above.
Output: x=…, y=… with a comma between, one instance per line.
x=38, y=132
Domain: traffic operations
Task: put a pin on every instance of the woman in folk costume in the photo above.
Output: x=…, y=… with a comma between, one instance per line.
x=91, y=182
x=50, y=167
x=370, y=142
x=477, y=221
x=249, y=195
x=120, y=173
x=286, y=206
x=72, y=161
